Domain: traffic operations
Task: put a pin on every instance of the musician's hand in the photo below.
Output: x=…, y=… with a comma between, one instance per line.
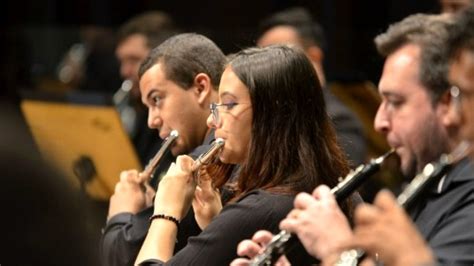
x=319, y=223
x=207, y=201
x=386, y=229
x=251, y=248
x=176, y=189
x=129, y=195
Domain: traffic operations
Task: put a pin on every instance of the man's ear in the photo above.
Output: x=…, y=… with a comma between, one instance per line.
x=449, y=115
x=315, y=54
x=202, y=87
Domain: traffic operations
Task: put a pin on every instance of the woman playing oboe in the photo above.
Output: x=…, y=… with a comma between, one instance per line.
x=271, y=115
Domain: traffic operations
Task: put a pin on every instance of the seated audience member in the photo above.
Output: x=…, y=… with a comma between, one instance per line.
x=277, y=159
x=415, y=92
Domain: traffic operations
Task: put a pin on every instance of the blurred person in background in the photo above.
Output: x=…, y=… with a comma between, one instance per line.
x=295, y=26
x=135, y=40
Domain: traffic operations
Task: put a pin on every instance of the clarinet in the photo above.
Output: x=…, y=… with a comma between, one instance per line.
x=284, y=241
x=431, y=173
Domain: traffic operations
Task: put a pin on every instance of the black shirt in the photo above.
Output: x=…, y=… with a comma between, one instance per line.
x=445, y=217
x=217, y=244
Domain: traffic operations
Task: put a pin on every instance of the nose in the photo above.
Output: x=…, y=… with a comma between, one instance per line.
x=210, y=121
x=381, y=121
x=154, y=118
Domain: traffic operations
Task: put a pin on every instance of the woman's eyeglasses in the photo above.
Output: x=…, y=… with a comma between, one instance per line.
x=216, y=117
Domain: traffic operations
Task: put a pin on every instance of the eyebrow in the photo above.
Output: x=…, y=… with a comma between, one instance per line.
x=389, y=94
x=226, y=93
x=148, y=96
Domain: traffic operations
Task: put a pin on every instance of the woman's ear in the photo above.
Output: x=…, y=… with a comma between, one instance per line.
x=202, y=88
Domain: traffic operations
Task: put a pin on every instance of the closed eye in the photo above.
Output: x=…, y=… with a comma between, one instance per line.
x=394, y=103
x=229, y=106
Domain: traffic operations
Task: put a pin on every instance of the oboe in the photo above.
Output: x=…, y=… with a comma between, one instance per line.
x=283, y=241
x=153, y=163
x=428, y=176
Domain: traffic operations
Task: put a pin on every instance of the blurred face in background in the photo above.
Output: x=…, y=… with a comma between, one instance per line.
x=279, y=35
x=130, y=53
x=288, y=35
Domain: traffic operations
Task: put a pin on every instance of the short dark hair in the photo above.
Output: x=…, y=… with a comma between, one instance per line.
x=461, y=33
x=310, y=32
x=293, y=147
x=156, y=26
x=429, y=32
x=184, y=56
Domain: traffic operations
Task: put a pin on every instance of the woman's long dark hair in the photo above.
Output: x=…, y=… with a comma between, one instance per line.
x=293, y=146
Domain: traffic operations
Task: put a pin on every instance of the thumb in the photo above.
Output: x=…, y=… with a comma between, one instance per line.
x=321, y=192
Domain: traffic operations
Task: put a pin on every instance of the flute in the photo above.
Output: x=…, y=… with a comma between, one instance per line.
x=206, y=157
x=153, y=163
x=284, y=240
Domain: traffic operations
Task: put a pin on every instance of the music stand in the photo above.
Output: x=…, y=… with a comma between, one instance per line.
x=83, y=136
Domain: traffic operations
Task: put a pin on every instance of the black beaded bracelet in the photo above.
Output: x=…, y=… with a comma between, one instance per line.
x=166, y=217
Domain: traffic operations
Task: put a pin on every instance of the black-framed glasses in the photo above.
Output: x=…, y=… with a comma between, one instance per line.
x=216, y=118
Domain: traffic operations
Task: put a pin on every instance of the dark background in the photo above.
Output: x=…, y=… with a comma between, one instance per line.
x=37, y=34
